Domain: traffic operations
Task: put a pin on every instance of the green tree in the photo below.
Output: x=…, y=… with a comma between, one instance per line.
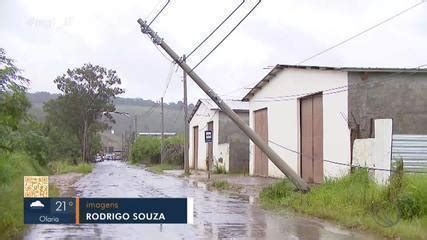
x=87, y=95
x=13, y=101
x=10, y=75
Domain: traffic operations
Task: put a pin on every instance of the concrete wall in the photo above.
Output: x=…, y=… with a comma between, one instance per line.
x=201, y=119
x=399, y=96
x=239, y=142
x=224, y=131
x=283, y=117
x=375, y=153
x=223, y=156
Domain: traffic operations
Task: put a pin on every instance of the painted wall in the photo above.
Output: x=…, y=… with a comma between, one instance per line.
x=399, y=96
x=201, y=119
x=283, y=117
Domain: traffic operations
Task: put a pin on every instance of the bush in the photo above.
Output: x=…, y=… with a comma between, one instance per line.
x=147, y=150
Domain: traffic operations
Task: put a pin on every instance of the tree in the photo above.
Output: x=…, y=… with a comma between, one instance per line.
x=13, y=101
x=10, y=75
x=87, y=95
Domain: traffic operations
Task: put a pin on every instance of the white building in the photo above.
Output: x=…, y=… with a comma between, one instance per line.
x=302, y=113
x=230, y=146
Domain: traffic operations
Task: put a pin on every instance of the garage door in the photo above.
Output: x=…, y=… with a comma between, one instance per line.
x=312, y=138
x=261, y=128
x=196, y=146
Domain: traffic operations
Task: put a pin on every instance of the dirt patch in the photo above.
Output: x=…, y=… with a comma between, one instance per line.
x=65, y=183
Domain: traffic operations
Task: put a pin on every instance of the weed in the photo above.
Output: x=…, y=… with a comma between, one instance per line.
x=219, y=169
x=221, y=184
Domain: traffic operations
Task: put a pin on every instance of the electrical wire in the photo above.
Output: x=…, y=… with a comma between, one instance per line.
x=168, y=79
x=362, y=32
x=333, y=90
x=161, y=10
x=226, y=36
x=210, y=34
x=154, y=8
x=163, y=54
x=339, y=163
x=349, y=38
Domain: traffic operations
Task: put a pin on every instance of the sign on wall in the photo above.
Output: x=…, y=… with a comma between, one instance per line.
x=208, y=136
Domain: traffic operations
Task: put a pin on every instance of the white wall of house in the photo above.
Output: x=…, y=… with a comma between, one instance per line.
x=283, y=117
x=201, y=119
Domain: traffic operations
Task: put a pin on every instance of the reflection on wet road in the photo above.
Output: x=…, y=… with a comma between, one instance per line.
x=217, y=216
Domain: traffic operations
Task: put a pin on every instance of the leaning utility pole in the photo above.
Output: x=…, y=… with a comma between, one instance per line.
x=256, y=139
x=186, y=127
x=163, y=133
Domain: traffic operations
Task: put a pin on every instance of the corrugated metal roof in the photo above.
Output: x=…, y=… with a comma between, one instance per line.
x=279, y=67
x=236, y=105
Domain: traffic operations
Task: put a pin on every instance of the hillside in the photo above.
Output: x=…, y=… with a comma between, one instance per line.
x=147, y=113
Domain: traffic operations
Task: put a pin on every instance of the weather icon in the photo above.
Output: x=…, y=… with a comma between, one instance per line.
x=37, y=205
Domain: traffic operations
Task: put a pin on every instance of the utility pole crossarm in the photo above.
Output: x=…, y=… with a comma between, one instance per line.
x=256, y=139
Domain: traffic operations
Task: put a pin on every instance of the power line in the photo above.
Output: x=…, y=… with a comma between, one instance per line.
x=348, y=39
x=161, y=10
x=152, y=10
x=168, y=79
x=339, y=163
x=164, y=55
x=330, y=91
x=226, y=36
x=210, y=34
x=362, y=32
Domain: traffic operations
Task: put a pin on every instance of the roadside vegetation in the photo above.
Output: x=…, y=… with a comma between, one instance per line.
x=219, y=169
x=61, y=167
x=224, y=185
x=356, y=201
x=146, y=150
x=221, y=184
x=30, y=148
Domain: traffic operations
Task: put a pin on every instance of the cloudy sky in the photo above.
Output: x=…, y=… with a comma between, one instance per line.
x=46, y=37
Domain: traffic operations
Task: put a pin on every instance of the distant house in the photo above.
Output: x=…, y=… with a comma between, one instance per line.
x=110, y=142
x=230, y=146
x=157, y=134
x=310, y=115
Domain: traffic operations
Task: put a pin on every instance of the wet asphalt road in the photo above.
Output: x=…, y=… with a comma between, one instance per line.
x=217, y=215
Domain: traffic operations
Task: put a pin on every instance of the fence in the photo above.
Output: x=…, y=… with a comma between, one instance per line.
x=412, y=150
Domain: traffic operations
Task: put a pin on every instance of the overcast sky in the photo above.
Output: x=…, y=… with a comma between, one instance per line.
x=46, y=37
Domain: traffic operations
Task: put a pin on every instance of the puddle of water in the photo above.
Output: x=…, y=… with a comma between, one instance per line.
x=217, y=215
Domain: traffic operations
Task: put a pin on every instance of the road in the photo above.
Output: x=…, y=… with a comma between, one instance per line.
x=217, y=215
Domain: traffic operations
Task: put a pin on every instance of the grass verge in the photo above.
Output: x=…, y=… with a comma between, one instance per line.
x=355, y=201
x=61, y=167
x=159, y=168
x=13, y=168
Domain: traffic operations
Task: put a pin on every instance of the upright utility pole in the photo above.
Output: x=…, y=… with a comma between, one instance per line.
x=136, y=129
x=163, y=133
x=256, y=139
x=186, y=127
x=84, y=140
x=123, y=146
